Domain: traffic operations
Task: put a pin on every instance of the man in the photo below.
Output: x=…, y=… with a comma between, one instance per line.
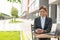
x=43, y=23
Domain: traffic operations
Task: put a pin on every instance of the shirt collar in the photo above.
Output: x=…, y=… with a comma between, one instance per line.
x=43, y=17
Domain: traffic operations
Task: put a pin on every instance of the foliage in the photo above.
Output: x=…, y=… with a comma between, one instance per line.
x=16, y=1
x=15, y=21
x=14, y=12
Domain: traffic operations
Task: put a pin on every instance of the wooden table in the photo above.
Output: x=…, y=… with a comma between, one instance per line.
x=45, y=36
x=42, y=35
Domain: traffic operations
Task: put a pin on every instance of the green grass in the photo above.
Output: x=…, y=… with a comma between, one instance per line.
x=15, y=21
x=9, y=35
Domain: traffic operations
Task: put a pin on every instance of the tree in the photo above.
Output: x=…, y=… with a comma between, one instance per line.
x=16, y=1
x=14, y=12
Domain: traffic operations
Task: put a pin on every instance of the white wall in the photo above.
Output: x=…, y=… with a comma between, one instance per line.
x=24, y=5
x=51, y=1
x=58, y=13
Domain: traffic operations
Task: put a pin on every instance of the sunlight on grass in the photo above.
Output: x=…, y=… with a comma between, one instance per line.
x=9, y=35
x=15, y=21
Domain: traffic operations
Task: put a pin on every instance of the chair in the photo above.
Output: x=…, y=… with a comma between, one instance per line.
x=32, y=31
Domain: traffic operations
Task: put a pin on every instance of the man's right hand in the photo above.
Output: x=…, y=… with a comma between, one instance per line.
x=39, y=31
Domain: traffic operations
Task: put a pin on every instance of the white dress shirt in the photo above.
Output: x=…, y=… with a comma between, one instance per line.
x=43, y=22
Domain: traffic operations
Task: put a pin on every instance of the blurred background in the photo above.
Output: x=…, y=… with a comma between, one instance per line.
x=18, y=15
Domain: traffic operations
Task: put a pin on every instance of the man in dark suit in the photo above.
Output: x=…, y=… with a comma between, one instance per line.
x=43, y=24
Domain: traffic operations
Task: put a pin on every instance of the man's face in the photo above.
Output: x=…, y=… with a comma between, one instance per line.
x=43, y=13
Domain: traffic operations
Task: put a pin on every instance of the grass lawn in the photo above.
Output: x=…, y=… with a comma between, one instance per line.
x=15, y=21
x=9, y=35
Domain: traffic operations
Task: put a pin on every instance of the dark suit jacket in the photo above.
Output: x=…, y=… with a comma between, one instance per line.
x=47, y=26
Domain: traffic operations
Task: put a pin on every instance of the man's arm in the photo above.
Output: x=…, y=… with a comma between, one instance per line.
x=49, y=26
x=35, y=25
x=36, y=28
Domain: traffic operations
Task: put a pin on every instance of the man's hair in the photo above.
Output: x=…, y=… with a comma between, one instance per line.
x=43, y=7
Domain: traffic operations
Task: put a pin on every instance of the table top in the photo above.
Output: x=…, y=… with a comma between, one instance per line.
x=45, y=36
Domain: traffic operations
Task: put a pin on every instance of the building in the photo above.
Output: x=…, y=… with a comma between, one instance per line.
x=30, y=8
x=54, y=6
x=4, y=16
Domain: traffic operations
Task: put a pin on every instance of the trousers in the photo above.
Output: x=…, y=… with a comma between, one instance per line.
x=44, y=39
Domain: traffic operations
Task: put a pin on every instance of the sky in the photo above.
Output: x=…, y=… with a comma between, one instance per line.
x=5, y=7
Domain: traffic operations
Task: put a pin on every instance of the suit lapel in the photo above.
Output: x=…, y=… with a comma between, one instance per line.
x=40, y=22
x=45, y=22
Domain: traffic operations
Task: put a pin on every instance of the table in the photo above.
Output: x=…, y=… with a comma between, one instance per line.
x=45, y=36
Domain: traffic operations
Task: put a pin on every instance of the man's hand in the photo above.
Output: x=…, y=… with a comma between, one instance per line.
x=39, y=31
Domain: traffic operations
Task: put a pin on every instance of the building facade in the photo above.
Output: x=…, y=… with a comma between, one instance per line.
x=54, y=6
x=30, y=9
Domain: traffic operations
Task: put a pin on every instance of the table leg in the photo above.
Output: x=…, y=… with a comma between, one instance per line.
x=36, y=38
x=58, y=38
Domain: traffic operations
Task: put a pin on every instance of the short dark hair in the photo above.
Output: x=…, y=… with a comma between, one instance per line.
x=43, y=7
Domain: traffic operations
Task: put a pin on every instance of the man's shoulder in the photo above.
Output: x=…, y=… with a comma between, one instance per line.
x=37, y=18
x=49, y=18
